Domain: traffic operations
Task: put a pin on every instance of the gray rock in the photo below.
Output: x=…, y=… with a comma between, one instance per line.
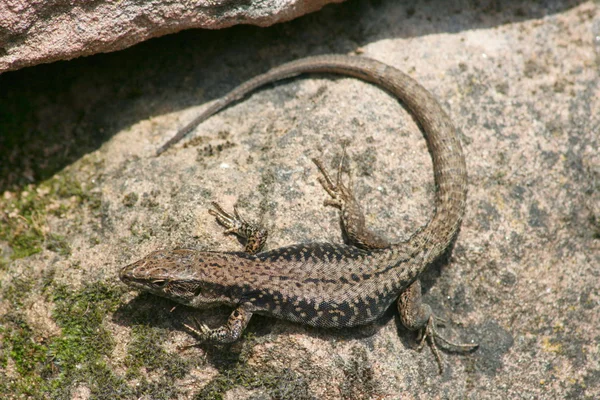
x=519, y=79
x=35, y=32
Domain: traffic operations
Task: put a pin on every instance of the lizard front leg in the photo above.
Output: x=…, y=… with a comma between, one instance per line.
x=256, y=238
x=227, y=333
x=255, y=235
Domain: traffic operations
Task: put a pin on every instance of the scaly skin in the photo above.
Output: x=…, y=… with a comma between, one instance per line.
x=322, y=284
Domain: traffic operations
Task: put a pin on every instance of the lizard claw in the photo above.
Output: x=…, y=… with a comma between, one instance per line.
x=199, y=329
x=202, y=331
x=232, y=223
x=255, y=235
x=340, y=194
x=429, y=334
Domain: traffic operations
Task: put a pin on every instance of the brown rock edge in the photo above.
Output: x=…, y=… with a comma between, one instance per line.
x=41, y=32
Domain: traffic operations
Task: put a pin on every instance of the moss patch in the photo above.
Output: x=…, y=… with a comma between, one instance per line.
x=81, y=353
x=275, y=384
x=23, y=214
x=39, y=367
x=145, y=355
x=26, y=357
x=268, y=379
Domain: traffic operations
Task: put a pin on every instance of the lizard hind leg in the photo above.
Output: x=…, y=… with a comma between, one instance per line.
x=255, y=235
x=418, y=316
x=351, y=215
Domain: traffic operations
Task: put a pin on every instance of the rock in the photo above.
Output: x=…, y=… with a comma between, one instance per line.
x=521, y=83
x=36, y=32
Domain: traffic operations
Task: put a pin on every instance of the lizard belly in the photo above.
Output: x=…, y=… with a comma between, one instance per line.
x=326, y=311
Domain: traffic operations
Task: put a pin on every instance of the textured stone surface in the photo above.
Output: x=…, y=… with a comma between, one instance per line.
x=34, y=32
x=519, y=79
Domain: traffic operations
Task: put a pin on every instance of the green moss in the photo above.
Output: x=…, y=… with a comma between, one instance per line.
x=28, y=358
x=79, y=356
x=65, y=185
x=3, y=263
x=58, y=244
x=17, y=290
x=145, y=352
x=24, y=214
x=275, y=383
x=22, y=220
x=26, y=354
x=105, y=384
x=79, y=353
x=595, y=223
x=51, y=367
x=26, y=244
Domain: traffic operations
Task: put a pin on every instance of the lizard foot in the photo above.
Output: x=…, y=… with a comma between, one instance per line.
x=430, y=334
x=200, y=330
x=340, y=193
x=255, y=236
x=227, y=333
x=351, y=215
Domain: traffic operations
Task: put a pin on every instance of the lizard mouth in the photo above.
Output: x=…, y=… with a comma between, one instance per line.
x=127, y=273
x=134, y=274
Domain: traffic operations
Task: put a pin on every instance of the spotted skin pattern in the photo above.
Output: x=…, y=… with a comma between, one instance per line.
x=322, y=284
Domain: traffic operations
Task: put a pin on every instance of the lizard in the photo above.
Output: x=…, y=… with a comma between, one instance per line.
x=321, y=284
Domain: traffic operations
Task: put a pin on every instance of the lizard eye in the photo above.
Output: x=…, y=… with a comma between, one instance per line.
x=159, y=283
x=197, y=291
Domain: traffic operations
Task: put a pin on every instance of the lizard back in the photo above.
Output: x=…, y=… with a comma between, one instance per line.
x=318, y=284
x=321, y=284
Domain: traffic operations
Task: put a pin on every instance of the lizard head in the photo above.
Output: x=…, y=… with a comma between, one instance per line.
x=175, y=274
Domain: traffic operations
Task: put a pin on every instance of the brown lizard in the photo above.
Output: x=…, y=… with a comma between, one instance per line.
x=322, y=284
